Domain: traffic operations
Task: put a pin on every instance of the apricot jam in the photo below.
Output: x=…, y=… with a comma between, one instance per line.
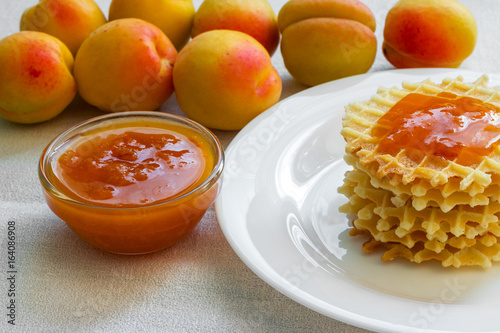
x=132, y=182
x=125, y=167
x=456, y=128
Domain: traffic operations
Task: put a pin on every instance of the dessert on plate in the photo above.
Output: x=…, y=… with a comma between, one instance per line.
x=426, y=172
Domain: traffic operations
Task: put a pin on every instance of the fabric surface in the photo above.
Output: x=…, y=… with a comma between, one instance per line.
x=199, y=285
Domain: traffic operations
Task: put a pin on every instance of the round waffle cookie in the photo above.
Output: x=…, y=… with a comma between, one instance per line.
x=413, y=165
x=444, y=196
x=482, y=253
x=425, y=182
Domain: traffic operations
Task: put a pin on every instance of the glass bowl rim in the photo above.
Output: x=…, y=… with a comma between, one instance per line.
x=211, y=180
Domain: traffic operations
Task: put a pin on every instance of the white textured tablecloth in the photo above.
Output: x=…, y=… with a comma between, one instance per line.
x=199, y=285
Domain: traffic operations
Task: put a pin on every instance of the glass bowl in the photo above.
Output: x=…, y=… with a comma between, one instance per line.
x=131, y=229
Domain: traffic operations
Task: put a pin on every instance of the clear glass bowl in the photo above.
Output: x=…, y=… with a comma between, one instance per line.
x=131, y=230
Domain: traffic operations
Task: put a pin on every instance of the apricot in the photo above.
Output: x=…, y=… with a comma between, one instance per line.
x=224, y=78
x=298, y=10
x=428, y=33
x=324, y=40
x=255, y=18
x=36, y=83
x=125, y=65
x=173, y=17
x=69, y=20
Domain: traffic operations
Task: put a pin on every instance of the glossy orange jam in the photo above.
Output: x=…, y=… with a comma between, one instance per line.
x=126, y=167
x=452, y=127
x=135, y=186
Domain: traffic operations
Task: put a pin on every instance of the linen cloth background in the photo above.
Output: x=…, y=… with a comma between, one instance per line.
x=198, y=285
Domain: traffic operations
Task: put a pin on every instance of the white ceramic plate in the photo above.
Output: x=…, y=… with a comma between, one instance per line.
x=279, y=211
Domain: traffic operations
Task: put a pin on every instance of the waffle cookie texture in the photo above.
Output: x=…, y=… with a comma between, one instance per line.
x=416, y=201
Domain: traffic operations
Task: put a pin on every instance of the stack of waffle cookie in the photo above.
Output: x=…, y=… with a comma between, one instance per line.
x=416, y=205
